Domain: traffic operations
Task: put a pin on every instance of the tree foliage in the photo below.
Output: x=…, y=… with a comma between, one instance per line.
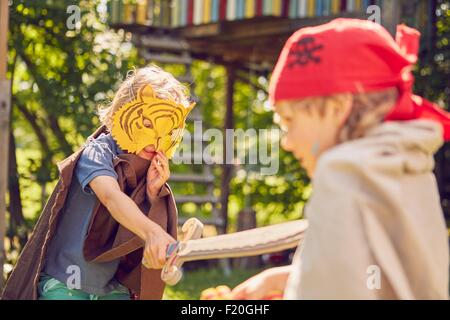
x=61, y=75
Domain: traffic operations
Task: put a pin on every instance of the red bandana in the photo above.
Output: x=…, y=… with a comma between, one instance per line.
x=353, y=56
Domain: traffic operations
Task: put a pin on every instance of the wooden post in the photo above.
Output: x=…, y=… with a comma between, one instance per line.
x=227, y=168
x=228, y=153
x=247, y=221
x=4, y=128
x=391, y=13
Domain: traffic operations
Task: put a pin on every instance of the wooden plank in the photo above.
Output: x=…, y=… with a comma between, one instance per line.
x=207, y=5
x=163, y=58
x=4, y=127
x=250, y=9
x=4, y=145
x=141, y=13
x=319, y=8
x=199, y=178
x=311, y=8
x=185, y=79
x=240, y=9
x=391, y=15
x=351, y=5
x=227, y=168
x=293, y=8
x=183, y=12
x=200, y=31
x=276, y=8
x=268, y=7
x=190, y=12
x=264, y=53
x=198, y=13
x=194, y=158
x=175, y=16
x=196, y=199
x=237, y=30
x=326, y=7
x=234, y=30
x=206, y=221
x=4, y=20
x=302, y=8
x=223, y=7
x=215, y=8
x=231, y=10
x=335, y=7
x=160, y=43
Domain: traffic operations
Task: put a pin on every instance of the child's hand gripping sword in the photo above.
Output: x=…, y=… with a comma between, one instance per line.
x=235, y=245
x=192, y=229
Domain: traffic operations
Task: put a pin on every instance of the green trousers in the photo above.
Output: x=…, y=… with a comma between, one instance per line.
x=51, y=289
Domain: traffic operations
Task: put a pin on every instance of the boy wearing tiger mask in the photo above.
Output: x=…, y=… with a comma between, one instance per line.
x=104, y=231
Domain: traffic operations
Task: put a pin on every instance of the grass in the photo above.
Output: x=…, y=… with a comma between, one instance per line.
x=194, y=282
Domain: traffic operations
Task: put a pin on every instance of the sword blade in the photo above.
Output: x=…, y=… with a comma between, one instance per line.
x=245, y=243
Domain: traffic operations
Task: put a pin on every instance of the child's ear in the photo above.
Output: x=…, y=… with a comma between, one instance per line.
x=146, y=91
x=343, y=107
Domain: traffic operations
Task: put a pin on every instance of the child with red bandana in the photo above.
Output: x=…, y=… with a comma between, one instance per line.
x=343, y=94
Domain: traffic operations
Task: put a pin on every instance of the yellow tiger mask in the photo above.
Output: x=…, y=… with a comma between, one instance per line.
x=148, y=120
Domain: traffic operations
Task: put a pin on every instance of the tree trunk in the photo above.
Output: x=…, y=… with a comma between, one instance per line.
x=16, y=220
x=32, y=120
x=60, y=136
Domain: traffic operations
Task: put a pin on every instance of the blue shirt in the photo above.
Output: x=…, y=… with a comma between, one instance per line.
x=65, y=252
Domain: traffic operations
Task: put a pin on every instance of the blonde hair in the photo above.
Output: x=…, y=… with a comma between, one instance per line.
x=369, y=110
x=164, y=85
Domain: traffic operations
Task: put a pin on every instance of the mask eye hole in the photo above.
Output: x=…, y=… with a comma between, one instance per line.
x=147, y=123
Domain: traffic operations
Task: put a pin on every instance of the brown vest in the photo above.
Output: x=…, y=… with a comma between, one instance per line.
x=106, y=240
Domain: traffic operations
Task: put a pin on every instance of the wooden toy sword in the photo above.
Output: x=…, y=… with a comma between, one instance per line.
x=235, y=245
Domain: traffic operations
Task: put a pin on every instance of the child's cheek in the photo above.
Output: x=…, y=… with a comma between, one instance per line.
x=302, y=141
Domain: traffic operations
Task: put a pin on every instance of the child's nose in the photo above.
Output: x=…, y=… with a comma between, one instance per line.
x=286, y=143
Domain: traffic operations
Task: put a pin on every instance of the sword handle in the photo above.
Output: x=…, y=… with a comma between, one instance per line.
x=192, y=229
x=171, y=274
